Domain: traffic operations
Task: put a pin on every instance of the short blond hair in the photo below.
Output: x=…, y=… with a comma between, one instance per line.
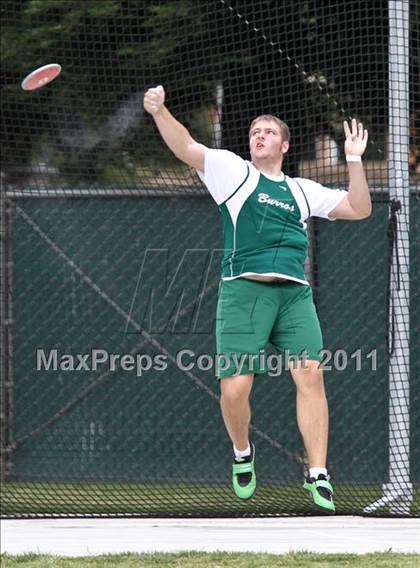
x=284, y=129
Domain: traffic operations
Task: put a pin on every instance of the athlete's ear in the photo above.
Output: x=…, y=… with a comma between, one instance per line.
x=285, y=146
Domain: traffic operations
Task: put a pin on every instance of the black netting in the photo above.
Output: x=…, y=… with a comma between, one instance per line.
x=93, y=203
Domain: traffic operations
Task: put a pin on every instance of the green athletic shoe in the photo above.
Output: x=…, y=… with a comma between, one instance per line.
x=243, y=476
x=322, y=493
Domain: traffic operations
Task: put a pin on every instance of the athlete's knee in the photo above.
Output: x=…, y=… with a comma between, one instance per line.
x=236, y=388
x=309, y=378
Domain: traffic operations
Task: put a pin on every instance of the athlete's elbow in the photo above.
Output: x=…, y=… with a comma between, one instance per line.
x=368, y=212
x=361, y=208
x=364, y=213
x=367, y=209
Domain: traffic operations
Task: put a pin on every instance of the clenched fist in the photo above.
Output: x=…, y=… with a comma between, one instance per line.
x=154, y=99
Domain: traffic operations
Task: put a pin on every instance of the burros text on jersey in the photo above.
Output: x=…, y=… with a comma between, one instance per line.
x=265, y=198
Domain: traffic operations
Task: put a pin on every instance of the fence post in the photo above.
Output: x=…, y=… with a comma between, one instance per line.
x=398, y=491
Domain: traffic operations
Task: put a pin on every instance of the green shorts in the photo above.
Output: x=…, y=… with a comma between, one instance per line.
x=250, y=314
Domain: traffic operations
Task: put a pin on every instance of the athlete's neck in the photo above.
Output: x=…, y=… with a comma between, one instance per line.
x=268, y=167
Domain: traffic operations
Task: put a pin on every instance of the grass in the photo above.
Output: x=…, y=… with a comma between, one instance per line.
x=26, y=499
x=216, y=560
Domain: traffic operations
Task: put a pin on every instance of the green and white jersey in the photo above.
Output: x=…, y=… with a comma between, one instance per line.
x=264, y=217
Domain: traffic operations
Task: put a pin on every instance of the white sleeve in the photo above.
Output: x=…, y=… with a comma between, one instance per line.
x=321, y=200
x=223, y=173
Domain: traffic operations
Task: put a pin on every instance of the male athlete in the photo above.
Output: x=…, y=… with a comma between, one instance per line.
x=264, y=295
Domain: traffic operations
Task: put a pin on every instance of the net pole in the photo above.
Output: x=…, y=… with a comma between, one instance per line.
x=398, y=491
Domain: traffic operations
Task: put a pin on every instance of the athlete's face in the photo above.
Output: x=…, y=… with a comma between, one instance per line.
x=265, y=141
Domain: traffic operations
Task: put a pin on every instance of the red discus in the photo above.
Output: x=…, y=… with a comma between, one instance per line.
x=41, y=76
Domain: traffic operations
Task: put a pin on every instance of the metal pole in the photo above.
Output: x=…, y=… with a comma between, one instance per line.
x=398, y=491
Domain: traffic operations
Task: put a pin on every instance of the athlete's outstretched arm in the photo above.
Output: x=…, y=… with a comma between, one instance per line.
x=357, y=203
x=176, y=136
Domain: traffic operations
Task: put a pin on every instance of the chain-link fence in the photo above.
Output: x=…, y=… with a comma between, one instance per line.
x=111, y=255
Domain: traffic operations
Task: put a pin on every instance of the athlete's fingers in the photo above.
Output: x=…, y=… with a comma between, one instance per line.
x=346, y=129
x=155, y=96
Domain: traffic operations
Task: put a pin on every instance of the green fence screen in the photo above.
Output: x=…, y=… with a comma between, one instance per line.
x=111, y=252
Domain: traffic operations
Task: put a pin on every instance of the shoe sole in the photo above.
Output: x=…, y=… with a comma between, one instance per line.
x=317, y=507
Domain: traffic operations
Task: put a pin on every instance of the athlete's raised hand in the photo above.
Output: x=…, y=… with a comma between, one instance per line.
x=356, y=138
